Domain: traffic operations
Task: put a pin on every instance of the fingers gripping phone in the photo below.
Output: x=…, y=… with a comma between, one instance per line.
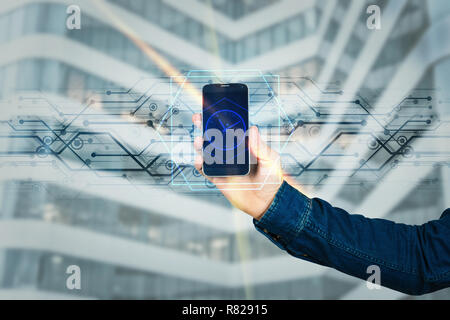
x=225, y=130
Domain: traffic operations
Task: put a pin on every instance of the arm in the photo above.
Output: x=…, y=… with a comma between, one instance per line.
x=412, y=259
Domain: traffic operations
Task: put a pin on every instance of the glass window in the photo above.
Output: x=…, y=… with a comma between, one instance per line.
x=152, y=10
x=2, y=72
x=265, y=41
x=131, y=53
x=223, y=47
x=167, y=15
x=146, y=63
x=332, y=30
x=10, y=72
x=251, y=47
x=27, y=78
x=179, y=24
x=4, y=30
x=279, y=35
x=296, y=28
x=354, y=46
x=135, y=6
x=85, y=35
x=194, y=32
x=310, y=21
x=50, y=75
x=31, y=18
x=100, y=39
x=56, y=19
x=16, y=23
x=116, y=44
x=232, y=51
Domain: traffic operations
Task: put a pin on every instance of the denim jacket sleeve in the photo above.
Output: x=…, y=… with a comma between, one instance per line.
x=412, y=259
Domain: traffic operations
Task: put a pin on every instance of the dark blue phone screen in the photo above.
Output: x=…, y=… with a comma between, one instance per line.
x=225, y=129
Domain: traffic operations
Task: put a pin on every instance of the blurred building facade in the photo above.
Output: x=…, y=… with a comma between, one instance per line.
x=136, y=252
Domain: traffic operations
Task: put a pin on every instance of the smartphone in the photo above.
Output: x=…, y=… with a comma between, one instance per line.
x=225, y=130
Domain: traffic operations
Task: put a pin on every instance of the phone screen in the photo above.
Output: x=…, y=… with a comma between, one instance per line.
x=225, y=130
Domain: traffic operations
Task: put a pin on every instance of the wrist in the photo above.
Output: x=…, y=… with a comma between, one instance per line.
x=267, y=203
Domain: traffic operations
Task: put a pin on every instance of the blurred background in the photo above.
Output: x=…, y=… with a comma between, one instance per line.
x=380, y=95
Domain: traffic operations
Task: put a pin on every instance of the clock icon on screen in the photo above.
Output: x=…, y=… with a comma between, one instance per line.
x=224, y=120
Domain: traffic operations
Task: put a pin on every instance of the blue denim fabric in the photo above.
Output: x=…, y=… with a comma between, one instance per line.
x=412, y=259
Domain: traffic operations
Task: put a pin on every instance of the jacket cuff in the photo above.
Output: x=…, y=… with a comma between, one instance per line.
x=285, y=217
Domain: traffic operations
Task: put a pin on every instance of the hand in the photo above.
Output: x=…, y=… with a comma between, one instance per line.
x=253, y=193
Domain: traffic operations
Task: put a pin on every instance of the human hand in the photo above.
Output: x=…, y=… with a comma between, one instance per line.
x=253, y=193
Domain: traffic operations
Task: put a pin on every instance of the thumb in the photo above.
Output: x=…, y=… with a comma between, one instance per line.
x=258, y=147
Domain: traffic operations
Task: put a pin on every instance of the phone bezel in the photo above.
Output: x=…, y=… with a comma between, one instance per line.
x=226, y=85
